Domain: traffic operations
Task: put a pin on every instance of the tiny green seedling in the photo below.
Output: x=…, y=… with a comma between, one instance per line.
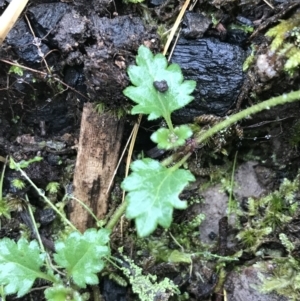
x=160, y=89
x=153, y=189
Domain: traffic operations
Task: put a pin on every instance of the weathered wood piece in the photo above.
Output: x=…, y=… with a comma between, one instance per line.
x=98, y=149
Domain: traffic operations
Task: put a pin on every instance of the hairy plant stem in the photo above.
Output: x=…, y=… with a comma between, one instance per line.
x=116, y=216
x=96, y=293
x=1, y=181
x=45, y=198
x=87, y=208
x=37, y=235
x=179, y=163
x=169, y=122
x=265, y=105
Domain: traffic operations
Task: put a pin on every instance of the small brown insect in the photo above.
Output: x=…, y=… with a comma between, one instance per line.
x=208, y=119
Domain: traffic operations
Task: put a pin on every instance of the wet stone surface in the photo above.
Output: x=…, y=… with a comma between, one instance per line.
x=24, y=44
x=217, y=68
x=194, y=25
x=242, y=286
x=44, y=18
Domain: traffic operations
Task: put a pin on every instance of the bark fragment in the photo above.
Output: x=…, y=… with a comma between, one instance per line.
x=99, y=144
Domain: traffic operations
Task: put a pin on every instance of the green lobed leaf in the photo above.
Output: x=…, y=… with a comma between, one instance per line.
x=166, y=139
x=23, y=163
x=153, y=194
x=62, y=293
x=16, y=69
x=81, y=255
x=179, y=257
x=20, y=265
x=149, y=100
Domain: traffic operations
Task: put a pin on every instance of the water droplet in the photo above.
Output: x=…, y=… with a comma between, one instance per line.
x=69, y=189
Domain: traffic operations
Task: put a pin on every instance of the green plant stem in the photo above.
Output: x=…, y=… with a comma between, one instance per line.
x=230, y=199
x=45, y=198
x=96, y=293
x=179, y=163
x=35, y=226
x=116, y=216
x=169, y=160
x=37, y=234
x=2, y=293
x=265, y=105
x=169, y=122
x=1, y=180
x=86, y=208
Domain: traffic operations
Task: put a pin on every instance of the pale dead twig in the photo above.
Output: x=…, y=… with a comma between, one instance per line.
x=268, y=3
x=37, y=42
x=176, y=25
x=10, y=16
x=121, y=157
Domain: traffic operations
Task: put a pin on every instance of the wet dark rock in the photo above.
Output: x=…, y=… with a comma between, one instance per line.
x=94, y=54
x=244, y=285
x=244, y=21
x=122, y=32
x=45, y=17
x=100, y=7
x=45, y=216
x=51, y=112
x=112, y=291
x=217, y=68
x=24, y=44
x=194, y=25
x=104, y=48
x=71, y=32
x=74, y=77
x=237, y=37
x=92, y=51
x=154, y=3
